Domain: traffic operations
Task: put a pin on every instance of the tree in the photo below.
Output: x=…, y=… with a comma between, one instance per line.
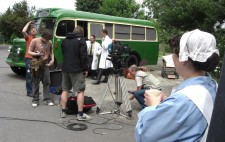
x=88, y=5
x=13, y=20
x=4, y=24
x=183, y=15
x=122, y=8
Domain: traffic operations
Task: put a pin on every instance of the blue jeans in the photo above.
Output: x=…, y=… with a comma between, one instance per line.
x=28, y=78
x=139, y=95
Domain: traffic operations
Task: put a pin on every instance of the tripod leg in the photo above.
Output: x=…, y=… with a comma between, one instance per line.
x=125, y=96
x=118, y=99
x=103, y=95
x=121, y=93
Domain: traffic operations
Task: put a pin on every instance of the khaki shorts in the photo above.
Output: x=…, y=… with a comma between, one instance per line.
x=75, y=80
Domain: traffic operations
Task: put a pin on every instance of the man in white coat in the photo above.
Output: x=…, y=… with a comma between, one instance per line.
x=94, y=51
x=104, y=64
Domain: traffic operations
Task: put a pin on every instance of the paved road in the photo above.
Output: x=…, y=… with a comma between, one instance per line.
x=15, y=104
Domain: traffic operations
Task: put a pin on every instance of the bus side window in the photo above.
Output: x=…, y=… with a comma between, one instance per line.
x=95, y=29
x=64, y=27
x=122, y=31
x=109, y=28
x=150, y=34
x=138, y=33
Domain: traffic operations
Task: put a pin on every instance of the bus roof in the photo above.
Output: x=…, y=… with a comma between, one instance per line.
x=59, y=13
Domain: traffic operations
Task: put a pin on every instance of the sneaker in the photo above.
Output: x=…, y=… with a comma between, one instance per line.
x=34, y=104
x=63, y=114
x=85, y=117
x=95, y=82
x=49, y=103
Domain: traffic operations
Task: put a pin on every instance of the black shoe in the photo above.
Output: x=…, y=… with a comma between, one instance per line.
x=93, y=77
x=105, y=80
x=29, y=95
x=95, y=82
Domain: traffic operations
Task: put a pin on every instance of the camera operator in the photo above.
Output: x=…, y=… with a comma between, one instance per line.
x=104, y=64
x=144, y=81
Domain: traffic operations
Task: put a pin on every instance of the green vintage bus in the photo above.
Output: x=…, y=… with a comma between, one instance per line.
x=139, y=35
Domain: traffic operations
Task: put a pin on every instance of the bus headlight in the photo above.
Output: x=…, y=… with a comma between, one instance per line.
x=9, y=48
x=18, y=50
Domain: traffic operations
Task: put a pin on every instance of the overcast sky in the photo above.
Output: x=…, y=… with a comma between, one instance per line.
x=69, y=4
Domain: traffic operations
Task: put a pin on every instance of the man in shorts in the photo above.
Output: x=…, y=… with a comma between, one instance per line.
x=74, y=70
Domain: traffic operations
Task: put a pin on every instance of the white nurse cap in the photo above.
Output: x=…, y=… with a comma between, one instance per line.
x=197, y=45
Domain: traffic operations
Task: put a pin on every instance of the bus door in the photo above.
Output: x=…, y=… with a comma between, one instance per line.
x=63, y=27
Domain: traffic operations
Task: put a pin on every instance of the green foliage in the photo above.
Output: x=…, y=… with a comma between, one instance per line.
x=179, y=16
x=14, y=19
x=220, y=38
x=140, y=14
x=121, y=8
x=2, y=39
x=183, y=15
x=88, y=5
x=13, y=36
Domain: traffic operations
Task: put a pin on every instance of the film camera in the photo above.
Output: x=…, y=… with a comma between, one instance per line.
x=118, y=53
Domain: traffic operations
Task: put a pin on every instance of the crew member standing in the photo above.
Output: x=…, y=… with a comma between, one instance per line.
x=28, y=37
x=41, y=51
x=104, y=63
x=94, y=51
x=74, y=70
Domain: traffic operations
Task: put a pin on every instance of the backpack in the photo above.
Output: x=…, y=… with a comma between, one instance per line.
x=72, y=108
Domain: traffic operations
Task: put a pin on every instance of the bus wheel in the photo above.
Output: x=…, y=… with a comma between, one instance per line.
x=130, y=60
x=19, y=71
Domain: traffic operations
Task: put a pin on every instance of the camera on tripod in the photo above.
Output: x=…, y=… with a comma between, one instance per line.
x=118, y=53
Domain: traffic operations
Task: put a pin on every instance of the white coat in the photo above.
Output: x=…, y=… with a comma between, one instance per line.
x=97, y=52
x=104, y=63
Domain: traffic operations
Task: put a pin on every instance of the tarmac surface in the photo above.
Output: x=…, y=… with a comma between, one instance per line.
x=20, y=122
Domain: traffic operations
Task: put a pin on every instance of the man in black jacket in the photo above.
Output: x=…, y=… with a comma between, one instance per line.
x=74, y=70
